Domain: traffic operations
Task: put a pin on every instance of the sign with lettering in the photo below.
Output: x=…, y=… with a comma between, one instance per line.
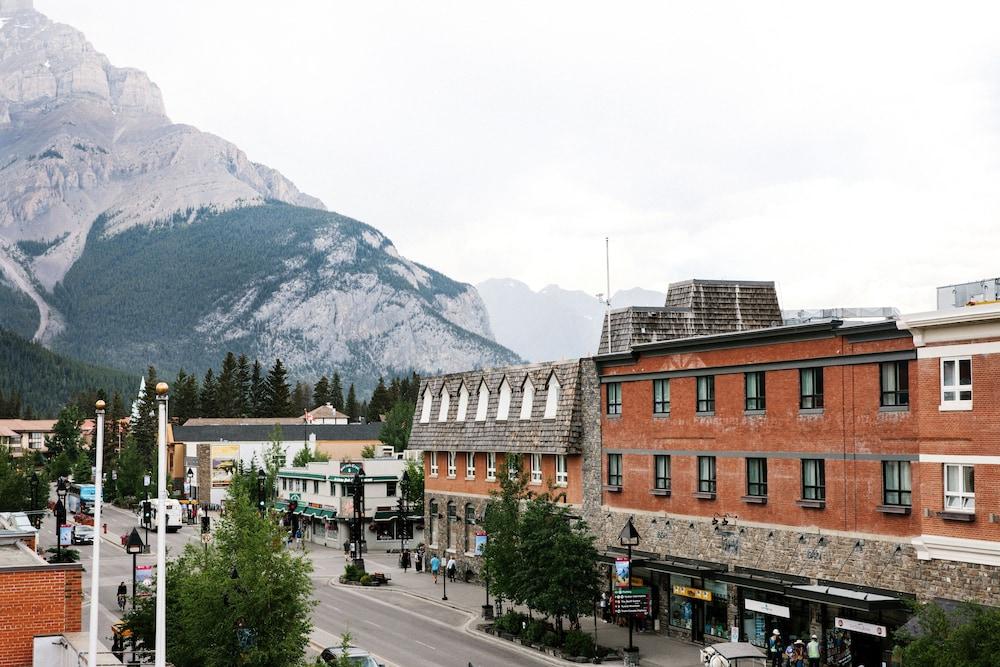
x=631, y=601
x=696, y=593
x=768, y=608
x=858, y=626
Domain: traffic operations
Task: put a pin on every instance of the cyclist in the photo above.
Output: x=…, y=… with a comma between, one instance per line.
x=122, y=595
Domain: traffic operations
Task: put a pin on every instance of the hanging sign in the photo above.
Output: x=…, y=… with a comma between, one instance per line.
x=622, y=571
x=858, y=626
x=696, y=593
x=480, y=542
x=65, y=536
x=767, y=608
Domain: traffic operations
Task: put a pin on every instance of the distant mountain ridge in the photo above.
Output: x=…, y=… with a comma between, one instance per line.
x=552, y=323
x=128, y=239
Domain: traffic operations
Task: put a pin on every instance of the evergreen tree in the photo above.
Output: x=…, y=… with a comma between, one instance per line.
x=278, y=398
x=15, y=483
x=10, y=407
x=301, y=397
x=321, y=392
x=352, y=407
x=67, y=434
x=379, y=404
x=227, y=393
x=395, y=392
x=243, y=382
x=396, y=429
x=209, y=390
x=184, y=403
x=29, y=413
x=258, y=390
x=336, y=392
x=113, y=430
x=144, y=430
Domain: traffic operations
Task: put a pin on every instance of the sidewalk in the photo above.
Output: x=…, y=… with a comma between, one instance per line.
x=654, y=650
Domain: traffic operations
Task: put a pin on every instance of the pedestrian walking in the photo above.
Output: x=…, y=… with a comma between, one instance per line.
x=798, y=658
x=452, y=569
x=775, y=649
x=604, y=606
x=420, y=560
x=435, y=566
x=405, y=559
x=812, y=652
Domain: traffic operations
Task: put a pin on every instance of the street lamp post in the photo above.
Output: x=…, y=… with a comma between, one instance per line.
x=628, y=538
x=404, y=510
x=190, y=494
x=98, y=501
x=60, y=514
x=147, y=510
x=161, y=527
x=359, y=514
x=34, y=499
x=134, y=546
x=261, y=478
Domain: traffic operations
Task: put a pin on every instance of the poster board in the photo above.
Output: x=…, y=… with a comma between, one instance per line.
x=225, y=458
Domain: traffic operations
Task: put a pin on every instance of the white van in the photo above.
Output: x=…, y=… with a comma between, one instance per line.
x=174, y=513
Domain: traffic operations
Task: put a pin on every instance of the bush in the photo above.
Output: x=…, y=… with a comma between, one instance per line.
x=366, y=580
x=353, y=573
x=550, y=638
x=510, y=623
x=534, y=632
x=578, y=643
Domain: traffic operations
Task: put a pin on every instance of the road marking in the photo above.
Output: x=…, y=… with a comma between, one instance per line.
x=372, y=623
x=423, y=644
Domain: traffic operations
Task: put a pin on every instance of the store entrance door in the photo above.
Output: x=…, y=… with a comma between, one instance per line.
x=697, y=621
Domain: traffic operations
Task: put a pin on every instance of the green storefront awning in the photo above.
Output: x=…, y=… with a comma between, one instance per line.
x=386, y=515
x=329, y=514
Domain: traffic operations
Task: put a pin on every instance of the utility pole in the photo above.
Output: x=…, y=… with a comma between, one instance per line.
x=95, y=578
x=161, y=527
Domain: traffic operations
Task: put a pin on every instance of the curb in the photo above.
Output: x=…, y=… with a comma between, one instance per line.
x=399, y=591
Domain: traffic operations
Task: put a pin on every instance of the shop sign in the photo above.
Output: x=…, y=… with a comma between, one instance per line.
x=858, y=626
x=622, y=571
x=631, y=601
x=767, y=608
x=294, y=496
x=480, y=542
x=696, y=593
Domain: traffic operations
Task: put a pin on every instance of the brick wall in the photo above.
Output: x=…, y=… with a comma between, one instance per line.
x=46, y=599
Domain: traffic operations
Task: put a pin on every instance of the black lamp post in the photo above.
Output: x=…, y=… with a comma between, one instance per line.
x=34, y=498
x=190, y=477
x=147, y=509
x=404, y=509
x=134, y=546
x=359, y=514
x=261, y=478
x=61, y=491
x=628, y=538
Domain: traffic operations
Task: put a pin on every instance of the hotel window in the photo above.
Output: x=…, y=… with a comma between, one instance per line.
x=956, y=384
x=614, y=398
x=896, y=485
x=706, y=394
x=527, y=399
x=484, y=402
x=452, y=469
x=661, y=397
x=445, y=404
x=959, y=488
x=425, y=407
x=434, y=464
x=757, y=477
x=36, y=440
x=470, y=465
x=536, y=468
x=813, y=479
x=894, y=378
x=315, y=486
x=390, y=489
x=552, y=397
x=755, y=391
x=463, y=403
x=470, y=527
x=706, y=474
x=450, y=519
x=434, y=522
x=811, y=388
x=661, y=472
x=284, y=484
x=513, y=466
x=491, y=466
x=614, y=469
x=503, y=403
x=333, y=488
x=562, y=471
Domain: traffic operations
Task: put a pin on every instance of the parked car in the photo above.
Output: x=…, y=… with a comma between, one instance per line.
x=358, y=657
x=732, y=654
x=83, y=534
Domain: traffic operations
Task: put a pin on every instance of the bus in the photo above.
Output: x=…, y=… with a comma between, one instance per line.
x=174, y=515
x=80, y=498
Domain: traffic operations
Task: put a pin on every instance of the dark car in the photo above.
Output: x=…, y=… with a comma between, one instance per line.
x=83, y=535
x=358, y=657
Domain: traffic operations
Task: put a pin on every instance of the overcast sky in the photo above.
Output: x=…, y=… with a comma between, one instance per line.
x=848, y=152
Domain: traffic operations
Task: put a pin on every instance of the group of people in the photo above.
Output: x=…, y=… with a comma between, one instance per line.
x=436, y=566
x=796, y=654
x=450, y=568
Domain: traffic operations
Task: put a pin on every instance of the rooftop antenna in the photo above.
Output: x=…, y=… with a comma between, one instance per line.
x=607, y=273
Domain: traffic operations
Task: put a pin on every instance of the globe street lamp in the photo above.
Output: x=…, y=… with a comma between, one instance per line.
x=628, y=538
x=261, y=478
x=60, y=514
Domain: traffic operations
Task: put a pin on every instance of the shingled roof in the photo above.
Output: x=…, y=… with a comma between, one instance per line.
x=559, y=435
x=695, y=308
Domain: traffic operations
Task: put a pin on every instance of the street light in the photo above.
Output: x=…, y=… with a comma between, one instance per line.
x=34, y=498
x=359, y=514
x=404, y=510
x=95, y=578
x=60, y=514
x=134, y=546
x=190, y=478
x=261, y=478
x=628, y=538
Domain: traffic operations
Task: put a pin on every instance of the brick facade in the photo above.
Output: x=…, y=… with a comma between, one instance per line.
x=37, y=600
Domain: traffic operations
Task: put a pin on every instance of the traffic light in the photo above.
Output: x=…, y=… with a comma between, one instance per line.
x=206, y=524
x=147, y=512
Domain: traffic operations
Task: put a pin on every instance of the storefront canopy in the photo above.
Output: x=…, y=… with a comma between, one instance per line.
x=688, y=568
x=843, y=597
x=756, y=580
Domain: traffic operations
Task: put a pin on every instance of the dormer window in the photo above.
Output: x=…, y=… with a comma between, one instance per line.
x=527, y=399
x=445, y=404
x=425, y=408
x=463, y=403
x=503, y=405
x=552, y=398
x=484, y=402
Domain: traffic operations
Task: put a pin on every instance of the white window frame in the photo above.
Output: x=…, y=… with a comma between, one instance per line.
x=527, y=399
x=470, y=465
x=536, y=468
x=562, y=470
x=482, y=401
x=491, y=466
x=956, y=389
x=463, y=403
x=452, y=468
x=434, y=464
x=503, y=402
x=552, y=397
x=425, y=408
x=512, y=471
x=445, y=404
x=966, y=500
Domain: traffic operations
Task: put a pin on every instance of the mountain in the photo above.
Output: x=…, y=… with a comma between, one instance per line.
x=553, y=323
x=46, y=381
x=128, y=239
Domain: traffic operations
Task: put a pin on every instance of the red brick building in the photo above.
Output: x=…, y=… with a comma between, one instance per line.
x=36, y=598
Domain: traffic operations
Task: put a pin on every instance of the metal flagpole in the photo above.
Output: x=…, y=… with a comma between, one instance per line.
x=95, y=579
x=161, y=527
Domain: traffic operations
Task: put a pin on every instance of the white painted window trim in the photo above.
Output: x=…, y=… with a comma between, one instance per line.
x=491, y=466
x=503, y=401
x=470, y=465
x=552, y=397
x=434, y=464
x=956, y=403
x=536, y=472
x=463, y=403
x=562, y=470
x=425, y=408
x=452, y=468
x=482, y=402
x=527, y=399
x=961, y=494
x=445, y=404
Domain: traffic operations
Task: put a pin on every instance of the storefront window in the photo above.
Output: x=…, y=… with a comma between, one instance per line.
x=765, y=612
x=681, y=608
x=717, y=611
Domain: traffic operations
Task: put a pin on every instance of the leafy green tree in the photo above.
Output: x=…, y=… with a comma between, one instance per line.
x=15, y=483
x=67, y=434
x=222, y=601
x=305, y=455
x=274, y=457
x=227, y=392
x=277, y=394
x=209, y=393
x=131, y=469
x=321, y=392
x=351, y=407
x=337, y=392
x=396, y=429
x=502, y=556
x=969, y=636
x=415, y=492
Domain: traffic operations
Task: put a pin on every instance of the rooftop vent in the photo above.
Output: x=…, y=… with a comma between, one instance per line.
x=968, y=294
